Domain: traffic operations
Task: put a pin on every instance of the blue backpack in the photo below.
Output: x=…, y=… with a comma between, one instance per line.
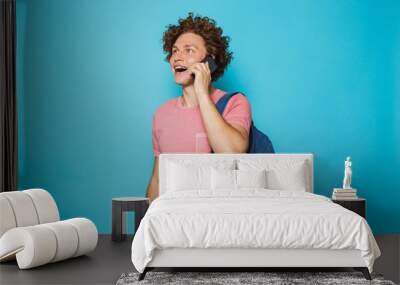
x=258, y=141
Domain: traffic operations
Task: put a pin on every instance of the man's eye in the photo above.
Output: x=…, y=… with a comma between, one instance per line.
x=188, y=50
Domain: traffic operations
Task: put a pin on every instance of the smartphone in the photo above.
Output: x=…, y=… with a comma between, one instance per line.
x=211, y=63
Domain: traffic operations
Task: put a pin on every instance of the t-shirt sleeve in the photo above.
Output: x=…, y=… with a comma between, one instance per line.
x=238, y=111
x=156, y=147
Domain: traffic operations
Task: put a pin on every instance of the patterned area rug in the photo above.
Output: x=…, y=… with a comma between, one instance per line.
x=269, y=278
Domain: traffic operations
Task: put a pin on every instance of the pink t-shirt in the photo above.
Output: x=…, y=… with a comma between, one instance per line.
x=179, y=129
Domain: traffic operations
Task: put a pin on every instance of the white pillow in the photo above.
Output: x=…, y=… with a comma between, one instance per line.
x=290, y=174
x=185, y=174
x=223, y=179
x=236, y=179
x=291, y=179
x=251, y=178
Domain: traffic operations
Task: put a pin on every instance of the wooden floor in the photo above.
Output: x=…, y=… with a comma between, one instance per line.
x=111, y=259
x=389, y=262
x=103, y=266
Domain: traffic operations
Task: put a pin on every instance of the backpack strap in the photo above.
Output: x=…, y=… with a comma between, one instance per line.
x=221, y=103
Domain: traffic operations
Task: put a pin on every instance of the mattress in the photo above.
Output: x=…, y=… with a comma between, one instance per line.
x=250, y=219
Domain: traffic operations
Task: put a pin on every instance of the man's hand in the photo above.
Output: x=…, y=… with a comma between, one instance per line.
x=202, y=80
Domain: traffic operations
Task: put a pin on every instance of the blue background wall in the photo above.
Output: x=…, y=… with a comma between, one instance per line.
x=322, y=77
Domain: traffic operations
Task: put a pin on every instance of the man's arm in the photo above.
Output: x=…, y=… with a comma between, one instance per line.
x=223, y=137
x=152, y=189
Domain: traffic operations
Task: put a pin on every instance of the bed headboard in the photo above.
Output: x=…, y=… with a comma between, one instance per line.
x=209, y=157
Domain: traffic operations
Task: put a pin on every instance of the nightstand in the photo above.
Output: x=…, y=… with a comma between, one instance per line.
x=358, y=205
x=122, y=205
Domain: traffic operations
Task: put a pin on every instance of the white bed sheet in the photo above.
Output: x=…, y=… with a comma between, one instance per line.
x=250, y=218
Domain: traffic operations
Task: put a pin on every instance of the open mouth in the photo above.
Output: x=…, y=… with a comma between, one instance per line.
x=180, y=69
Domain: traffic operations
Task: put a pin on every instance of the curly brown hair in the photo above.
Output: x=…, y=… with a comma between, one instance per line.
x=216, y=44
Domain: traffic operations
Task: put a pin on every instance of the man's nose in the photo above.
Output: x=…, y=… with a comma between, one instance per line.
x=177, y=56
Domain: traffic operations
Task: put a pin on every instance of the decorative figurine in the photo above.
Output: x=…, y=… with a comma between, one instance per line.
x=347, y=173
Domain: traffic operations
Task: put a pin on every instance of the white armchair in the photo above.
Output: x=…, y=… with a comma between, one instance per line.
x=32, y=233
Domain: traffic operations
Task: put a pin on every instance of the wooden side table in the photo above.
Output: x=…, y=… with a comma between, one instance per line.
x=122, y=205
x=358, y=205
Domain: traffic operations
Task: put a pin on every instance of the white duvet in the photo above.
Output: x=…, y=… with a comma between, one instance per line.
x=250, y=218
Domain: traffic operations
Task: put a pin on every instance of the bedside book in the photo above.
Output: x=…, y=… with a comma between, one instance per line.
x=344, y=194
x=344, y=198
x=341, y=190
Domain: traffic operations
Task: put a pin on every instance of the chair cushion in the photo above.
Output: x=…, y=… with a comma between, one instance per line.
x=26, y=208
x=40, y=244
x=24, y=211
x=7, y=218
x=46, y=207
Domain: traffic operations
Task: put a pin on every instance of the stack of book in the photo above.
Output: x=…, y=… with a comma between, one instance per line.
x=344, y=194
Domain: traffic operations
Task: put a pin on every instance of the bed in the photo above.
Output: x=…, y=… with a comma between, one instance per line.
x=247, y=210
